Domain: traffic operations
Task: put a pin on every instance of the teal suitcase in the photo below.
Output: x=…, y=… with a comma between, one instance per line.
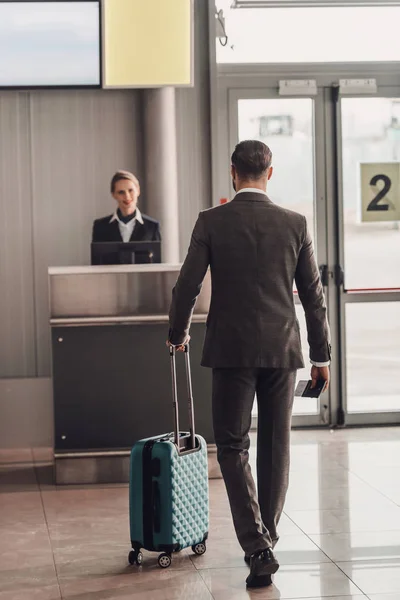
x=168, y=489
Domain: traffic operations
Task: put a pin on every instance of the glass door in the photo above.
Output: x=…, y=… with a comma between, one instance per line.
x=337, y=160
x=368, y=183
x=289, y=126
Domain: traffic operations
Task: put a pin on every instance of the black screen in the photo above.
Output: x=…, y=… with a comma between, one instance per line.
x=125, y=253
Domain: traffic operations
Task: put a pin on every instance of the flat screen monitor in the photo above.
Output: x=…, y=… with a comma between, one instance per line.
x=125, y=253
x=50, y=44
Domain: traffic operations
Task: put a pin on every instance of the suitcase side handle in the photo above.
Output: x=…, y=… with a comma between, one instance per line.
x=172, y=352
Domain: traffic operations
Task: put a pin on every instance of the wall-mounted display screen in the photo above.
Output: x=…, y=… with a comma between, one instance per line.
x=45, y=44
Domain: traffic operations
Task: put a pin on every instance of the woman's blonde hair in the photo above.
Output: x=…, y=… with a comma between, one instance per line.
x=119, y=175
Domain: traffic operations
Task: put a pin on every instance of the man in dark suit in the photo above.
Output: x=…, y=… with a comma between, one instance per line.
x=127, y=224
x=256, y=250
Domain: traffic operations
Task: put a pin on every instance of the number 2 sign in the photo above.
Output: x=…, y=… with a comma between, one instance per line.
x=380, y=192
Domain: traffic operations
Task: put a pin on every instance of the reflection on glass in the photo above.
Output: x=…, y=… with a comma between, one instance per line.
x=301, y=35
x=371, y=134
x=373, y=356
x=286, y=126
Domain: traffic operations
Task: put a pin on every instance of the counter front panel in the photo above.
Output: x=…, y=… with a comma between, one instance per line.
x=112, y=385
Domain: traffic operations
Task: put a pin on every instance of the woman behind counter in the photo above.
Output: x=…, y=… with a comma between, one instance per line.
x=127, y=224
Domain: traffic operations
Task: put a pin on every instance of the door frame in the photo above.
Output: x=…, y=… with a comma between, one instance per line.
x=260, y=81
x=334, y=151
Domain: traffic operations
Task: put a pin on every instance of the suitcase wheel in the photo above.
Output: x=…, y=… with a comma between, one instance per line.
x=199, y=549
x=135, y=558
x=164, y=560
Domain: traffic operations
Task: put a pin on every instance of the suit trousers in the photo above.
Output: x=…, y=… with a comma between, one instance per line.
x=255, y=517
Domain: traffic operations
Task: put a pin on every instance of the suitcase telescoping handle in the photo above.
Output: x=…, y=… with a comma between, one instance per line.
x=172, y=352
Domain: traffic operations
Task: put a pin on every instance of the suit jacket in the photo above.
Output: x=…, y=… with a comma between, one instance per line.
x=256, y=250
x=104, y=231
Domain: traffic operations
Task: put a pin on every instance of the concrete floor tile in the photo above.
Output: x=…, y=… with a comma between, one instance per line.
x=294, y=581
x=374, y=576
x=153, y=584
x=23, y=579
x=51, y=592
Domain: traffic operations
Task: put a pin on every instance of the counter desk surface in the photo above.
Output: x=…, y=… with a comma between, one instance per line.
x=114, y=294
x=112, y=269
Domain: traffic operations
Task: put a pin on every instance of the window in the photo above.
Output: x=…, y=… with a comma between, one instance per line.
x=313, y=34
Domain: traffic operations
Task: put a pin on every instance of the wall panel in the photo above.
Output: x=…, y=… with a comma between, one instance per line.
x=194, y=133
x=26, y=411
x=17, y=326
x=78, y=140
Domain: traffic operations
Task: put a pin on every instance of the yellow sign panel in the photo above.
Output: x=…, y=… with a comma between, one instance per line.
x=380, y=192
x=147, y=43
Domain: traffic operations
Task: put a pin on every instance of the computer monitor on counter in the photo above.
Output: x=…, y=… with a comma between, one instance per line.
x=125, y=253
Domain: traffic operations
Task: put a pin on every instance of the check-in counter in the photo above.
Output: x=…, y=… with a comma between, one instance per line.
x=111, y=367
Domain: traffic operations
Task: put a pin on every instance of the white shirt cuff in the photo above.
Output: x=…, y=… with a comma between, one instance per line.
x=320, y=364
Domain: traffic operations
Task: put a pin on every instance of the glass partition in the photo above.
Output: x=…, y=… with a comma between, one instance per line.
x=286, y=126
x=373, y=356
x=370, y=134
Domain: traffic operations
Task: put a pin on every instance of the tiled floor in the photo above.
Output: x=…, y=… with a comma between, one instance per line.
x=340, y=534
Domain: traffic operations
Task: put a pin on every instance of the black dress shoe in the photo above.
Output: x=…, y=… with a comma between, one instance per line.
x=263, y=564
x=247, y=557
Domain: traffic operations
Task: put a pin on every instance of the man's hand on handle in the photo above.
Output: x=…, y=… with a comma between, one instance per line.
x=320, y=373
x=182, y=347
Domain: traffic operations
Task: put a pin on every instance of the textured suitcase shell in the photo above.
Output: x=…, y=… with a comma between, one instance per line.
x=182, y=480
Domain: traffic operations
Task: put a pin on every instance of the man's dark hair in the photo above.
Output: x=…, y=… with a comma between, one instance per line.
x=251, y=159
